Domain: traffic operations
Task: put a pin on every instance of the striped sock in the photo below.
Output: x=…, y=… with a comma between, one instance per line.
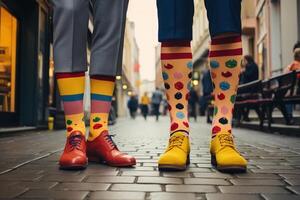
x=71, y=88
x=102, y=88
x=225, y=62
x=177, y=73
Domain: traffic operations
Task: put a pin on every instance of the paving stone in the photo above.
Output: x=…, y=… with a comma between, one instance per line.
x=184, y=174
x=117, y=195
x=140, y=173
x=138, y=169
x=290, y=176
x=63, y=178
x=253, y=189
x=258, y=176
x=137, y=187
x=37, y=185
x=46, y=194
x=8, y=192
x=172, y=196
x=293, y=182
x=295, y=189
x=212, y=175
x=159, y=180
x=280, y=197
x=110, y=179
x=81, y=186
x=191, y=188
x=276, y=171
x=20, y=177
x=257, y=182
x=274, y=167
x=232, y=197
x=194, y=169
x=205, y=181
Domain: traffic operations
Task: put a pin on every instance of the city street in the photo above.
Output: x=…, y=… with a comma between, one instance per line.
x=29, y=167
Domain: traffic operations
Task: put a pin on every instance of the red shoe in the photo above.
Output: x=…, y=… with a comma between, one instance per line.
x=74, y=155
x=103, y=149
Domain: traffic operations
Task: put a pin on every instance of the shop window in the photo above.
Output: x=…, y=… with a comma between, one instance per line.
x=8, y=40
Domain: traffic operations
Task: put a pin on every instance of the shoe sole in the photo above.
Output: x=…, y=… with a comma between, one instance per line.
x=231, y=169
x=99, y=160
x=170, y=167
x=73, y=167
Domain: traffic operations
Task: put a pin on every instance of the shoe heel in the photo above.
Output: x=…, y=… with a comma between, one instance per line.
x=188, y=160
x=213, y=160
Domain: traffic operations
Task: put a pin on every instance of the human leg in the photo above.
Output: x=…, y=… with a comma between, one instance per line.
x=225, y=63
x=70, y=67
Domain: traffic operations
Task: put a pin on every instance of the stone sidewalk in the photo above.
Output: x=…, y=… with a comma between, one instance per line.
x=29, y=167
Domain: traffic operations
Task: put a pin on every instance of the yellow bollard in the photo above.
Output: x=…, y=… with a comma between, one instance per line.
x=50, y=123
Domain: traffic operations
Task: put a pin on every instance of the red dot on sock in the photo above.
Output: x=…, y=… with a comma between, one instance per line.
x=69, y=129
x=97, y=126
x=186, y=124
x=169, y=107
x=229, y=131
x=221, y=96
x=216, y=129
x=179, y=85
x=174, y=126
x=169, y=66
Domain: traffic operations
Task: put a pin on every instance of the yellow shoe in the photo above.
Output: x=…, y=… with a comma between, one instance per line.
x=176, y=157
x=224, y=156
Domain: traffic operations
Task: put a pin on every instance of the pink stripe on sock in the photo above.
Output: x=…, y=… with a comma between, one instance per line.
x=100, y=106
x=73, y=107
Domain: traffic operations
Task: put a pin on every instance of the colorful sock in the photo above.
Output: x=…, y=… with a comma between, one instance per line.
x=177, y=73
x=102, y=88
x=225, y=63
x=71, y=88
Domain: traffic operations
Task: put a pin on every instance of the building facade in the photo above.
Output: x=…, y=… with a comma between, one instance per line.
x=129, y=83
x=24, y=62
x=276, y=34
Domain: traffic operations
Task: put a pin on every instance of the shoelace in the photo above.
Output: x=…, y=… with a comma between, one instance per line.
x=226, y=140
x=176, y=141
x=75, y=141
x=110, y=141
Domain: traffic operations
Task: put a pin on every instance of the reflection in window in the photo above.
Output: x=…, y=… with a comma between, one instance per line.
x=8, y=38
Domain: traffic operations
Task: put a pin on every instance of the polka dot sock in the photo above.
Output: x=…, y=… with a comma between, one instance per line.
x=71, y=88
x=102, y=88
x=177, y=73
x=225, y=63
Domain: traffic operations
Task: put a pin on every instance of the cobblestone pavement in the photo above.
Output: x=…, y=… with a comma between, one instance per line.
x=29, y=167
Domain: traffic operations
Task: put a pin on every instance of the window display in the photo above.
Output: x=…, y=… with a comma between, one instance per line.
x=8, y=39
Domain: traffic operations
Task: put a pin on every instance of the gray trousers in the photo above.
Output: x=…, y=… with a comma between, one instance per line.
x=70, y=34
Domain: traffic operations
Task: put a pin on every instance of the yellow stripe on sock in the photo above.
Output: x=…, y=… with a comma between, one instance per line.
x=102, y=87
x=70, y=86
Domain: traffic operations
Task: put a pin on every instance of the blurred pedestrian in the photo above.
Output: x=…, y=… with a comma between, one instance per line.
x=207, y=89
x=70, y=38
x=133, y=105
x=249, y=73
x=249, y=70
x=155, y=102
x=145, y=101
x=193, y=100
x=294, y=66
